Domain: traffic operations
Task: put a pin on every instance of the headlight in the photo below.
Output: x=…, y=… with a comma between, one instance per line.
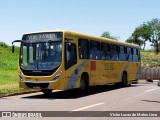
x=57, y=75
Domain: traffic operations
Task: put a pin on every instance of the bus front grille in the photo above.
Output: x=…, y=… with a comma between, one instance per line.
x=40, y=85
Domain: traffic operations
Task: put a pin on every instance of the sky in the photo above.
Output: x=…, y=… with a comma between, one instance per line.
x=93, y=17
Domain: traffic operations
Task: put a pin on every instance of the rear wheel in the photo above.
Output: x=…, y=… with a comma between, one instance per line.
x=83, y=85
x=46, y=91
x=124, y=80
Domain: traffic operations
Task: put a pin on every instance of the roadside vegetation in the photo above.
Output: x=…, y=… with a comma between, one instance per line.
x=150, y=59
x=8, y=66
x=147, y=32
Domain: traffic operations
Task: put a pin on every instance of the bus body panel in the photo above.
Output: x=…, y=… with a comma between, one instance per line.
x=100, y=71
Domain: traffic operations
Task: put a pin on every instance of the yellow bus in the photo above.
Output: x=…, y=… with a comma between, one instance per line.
x=62, y=60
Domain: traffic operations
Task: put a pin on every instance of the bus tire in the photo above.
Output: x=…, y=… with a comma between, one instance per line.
x=124, y=82
x=83, y=85
x=46, y=91
x=158, y=83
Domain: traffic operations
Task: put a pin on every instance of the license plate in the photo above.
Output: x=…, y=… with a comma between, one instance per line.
x=36, y=87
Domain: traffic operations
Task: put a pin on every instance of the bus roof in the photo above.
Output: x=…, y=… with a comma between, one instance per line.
x=90, y=37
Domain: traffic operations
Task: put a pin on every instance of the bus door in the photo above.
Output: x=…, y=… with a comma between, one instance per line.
x=70, y=63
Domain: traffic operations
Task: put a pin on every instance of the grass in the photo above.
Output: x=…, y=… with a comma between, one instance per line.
x=150, y=59
x=12, y=90
x=8, y=70
x=15, y=91
x=8, y=77
x=8, y=66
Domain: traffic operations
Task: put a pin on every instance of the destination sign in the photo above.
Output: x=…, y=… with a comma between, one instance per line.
x=42, y=36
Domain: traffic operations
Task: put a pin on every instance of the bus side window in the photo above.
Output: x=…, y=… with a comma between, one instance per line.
x=114, y=52
x=108, y=52
x=83, y=46
x=118, y=50
x=70, y=55
x=129, y=55
x=103, y=51
x=135, y=55
x=122, y=53
x=95, y=50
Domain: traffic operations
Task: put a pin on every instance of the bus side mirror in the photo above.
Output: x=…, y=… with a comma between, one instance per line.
x=13, y=45
x=12, y=48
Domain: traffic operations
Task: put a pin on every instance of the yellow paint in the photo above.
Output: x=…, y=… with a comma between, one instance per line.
x=106, y=72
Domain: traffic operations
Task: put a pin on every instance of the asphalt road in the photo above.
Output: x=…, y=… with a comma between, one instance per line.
x=138, y=97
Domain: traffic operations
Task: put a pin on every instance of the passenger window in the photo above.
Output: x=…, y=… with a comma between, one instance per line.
x=95, y=50
x=70, y=55
x=103, y=51
x=114, y=52
x=122, y=53
x=129, y=56
x=135, y=55
x=108, y=52
x=83, y=46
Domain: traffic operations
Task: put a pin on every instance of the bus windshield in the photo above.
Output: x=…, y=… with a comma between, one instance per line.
x=41, y=56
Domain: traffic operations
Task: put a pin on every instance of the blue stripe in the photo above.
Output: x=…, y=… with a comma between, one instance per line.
x=72, y=79
x=125, y=69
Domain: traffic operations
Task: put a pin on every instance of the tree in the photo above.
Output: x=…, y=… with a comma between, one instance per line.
x=148, y=31
x=155, y=36
x=107, y=34
x=3, y=44
x=143, y=33
x=135, y=40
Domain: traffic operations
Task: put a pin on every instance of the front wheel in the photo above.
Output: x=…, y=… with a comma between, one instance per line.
x=46, y=91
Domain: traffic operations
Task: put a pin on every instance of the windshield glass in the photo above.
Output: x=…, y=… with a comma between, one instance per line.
x=41, y=56
x=44, y=55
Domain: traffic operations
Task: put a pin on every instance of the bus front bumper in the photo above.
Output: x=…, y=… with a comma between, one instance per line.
x=40, y=85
